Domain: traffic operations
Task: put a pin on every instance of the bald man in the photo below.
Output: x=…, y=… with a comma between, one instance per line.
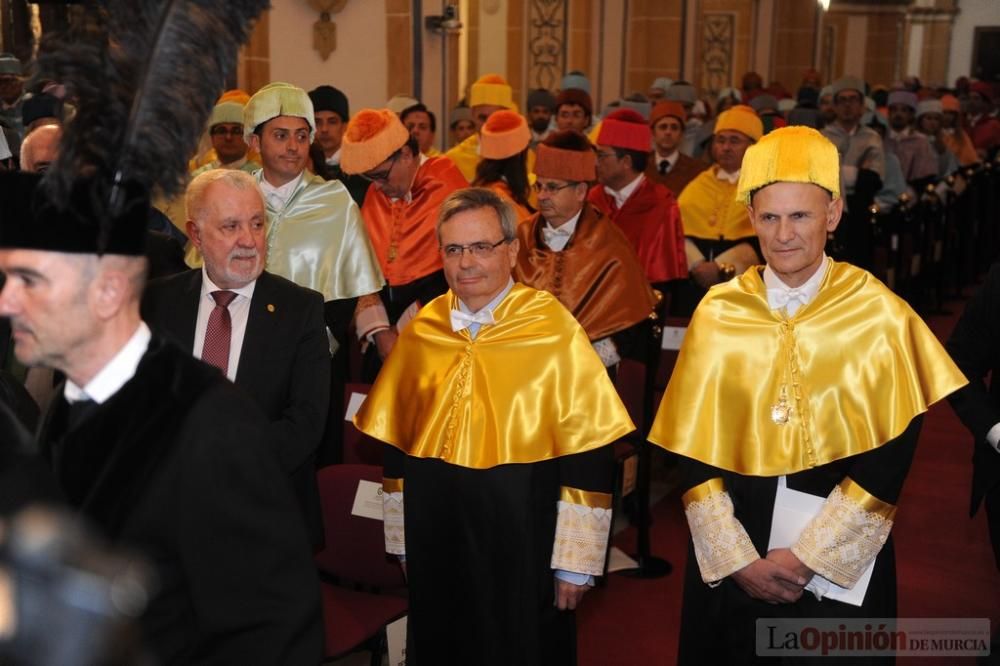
x=40, y=148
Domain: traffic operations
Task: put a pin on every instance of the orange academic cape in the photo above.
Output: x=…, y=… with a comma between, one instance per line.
x=404, y=233
x=597, y=275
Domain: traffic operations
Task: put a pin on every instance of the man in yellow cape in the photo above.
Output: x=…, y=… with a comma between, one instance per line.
x=803, y=375
x=497, y=415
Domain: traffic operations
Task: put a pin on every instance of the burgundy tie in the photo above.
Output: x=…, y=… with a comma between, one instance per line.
x=219, y=332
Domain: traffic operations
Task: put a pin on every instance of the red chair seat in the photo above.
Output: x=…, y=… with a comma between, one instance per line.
x=350, y=617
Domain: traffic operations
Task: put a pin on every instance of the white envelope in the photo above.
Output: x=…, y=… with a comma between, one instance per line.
x=792, y=512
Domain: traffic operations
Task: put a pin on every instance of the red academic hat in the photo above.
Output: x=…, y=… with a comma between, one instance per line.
x=626, y=129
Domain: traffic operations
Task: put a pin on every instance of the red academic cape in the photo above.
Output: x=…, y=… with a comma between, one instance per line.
x=403, y=234
x=651, y=221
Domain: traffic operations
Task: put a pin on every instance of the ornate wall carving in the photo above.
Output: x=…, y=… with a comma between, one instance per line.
x=547, y=30
x=718, y=40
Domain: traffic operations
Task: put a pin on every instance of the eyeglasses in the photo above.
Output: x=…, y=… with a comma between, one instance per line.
x=479, y=250
x=219, y=130
x=550, y=188
x=381, y=177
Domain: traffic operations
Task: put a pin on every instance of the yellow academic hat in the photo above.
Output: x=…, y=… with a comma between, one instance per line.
x=795, y=154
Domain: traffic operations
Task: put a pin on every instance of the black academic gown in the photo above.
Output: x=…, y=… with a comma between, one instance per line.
x=973, y=347
x=479, y=550
x=718, y=624
x=176, y=466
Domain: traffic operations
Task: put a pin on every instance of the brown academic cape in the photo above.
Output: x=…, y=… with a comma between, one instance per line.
x=597, y=276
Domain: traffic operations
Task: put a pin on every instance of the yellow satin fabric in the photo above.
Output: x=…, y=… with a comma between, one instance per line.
x=866, y=500
x=392, y=485
x=587, y=498
x=528, y=388
x=709, y=209
x=703, y=490
x=857, y=365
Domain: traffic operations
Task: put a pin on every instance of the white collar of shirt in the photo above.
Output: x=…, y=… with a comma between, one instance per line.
x=557, y=237
x=334, y=159
x=780, y=295
x=731, y=178
x=670, y=159
x=115, y=373
x=278, y=196
x=4, y=147
x=489, y=307
x=896, y=136
x=622, y=195
x=207, y=287
x=409, y=193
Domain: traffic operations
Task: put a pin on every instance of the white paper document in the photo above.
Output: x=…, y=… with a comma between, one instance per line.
x=353, y=405
x=368, y=500
x=673, y=336
x=395, y=633
x=792, y=512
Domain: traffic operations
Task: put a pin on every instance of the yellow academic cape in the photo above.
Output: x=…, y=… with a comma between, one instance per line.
x=853, y=367
x=528, y=388
x=318, y=241
x=709, y=209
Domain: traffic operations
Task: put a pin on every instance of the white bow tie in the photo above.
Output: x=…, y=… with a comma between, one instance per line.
x=548, y=233
x=460, y=320
x=780, y=298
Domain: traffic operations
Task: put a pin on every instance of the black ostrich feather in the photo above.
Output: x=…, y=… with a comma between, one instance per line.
x=144, y=75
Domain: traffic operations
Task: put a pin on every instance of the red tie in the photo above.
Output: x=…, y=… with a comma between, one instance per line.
x=219, y=332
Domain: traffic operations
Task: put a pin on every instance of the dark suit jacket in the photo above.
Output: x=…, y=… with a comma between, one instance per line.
x=684, y=171
x=176, y=466
x=284, y=366
x=973, y=346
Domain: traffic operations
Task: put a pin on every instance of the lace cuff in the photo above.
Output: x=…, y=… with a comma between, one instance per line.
x=846, y=535
x=721, y=544
x=582, y=527
x=392, y=516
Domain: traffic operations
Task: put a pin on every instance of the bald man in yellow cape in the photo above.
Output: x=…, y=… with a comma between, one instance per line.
x=497, y=415
x=803, y=375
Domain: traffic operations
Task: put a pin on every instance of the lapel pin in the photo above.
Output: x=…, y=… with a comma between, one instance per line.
x=270, y=307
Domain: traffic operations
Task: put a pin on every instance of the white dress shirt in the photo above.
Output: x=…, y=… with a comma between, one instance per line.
x=239, y=312
x=278, y=197
x=780, y=295
x=670, y=159
x=622, y=195
x=334, y=160
x=731, y=178
x=115, y=373
x=558, y=237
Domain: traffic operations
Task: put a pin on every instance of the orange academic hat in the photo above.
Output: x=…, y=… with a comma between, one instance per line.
x=504, y=134
x=234, y=95
x=667, y=108
x=626, y=129
x=566, y=155
x=370, y=138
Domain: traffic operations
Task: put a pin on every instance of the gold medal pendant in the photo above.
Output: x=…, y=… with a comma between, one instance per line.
x=781, y=410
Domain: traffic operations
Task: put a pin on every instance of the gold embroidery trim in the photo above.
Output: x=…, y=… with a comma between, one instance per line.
x=392, y=485
x=392, y=521
x=581, y=540
x=703, y=490
x=594, y=500
x=721, y=544
x=845, y=536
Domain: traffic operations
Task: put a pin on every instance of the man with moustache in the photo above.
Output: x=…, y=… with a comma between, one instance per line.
x=502, y=479
x=805, y=374
x=275, y=347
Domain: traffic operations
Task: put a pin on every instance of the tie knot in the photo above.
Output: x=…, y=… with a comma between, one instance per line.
x=664, y=165
x=223, y=298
